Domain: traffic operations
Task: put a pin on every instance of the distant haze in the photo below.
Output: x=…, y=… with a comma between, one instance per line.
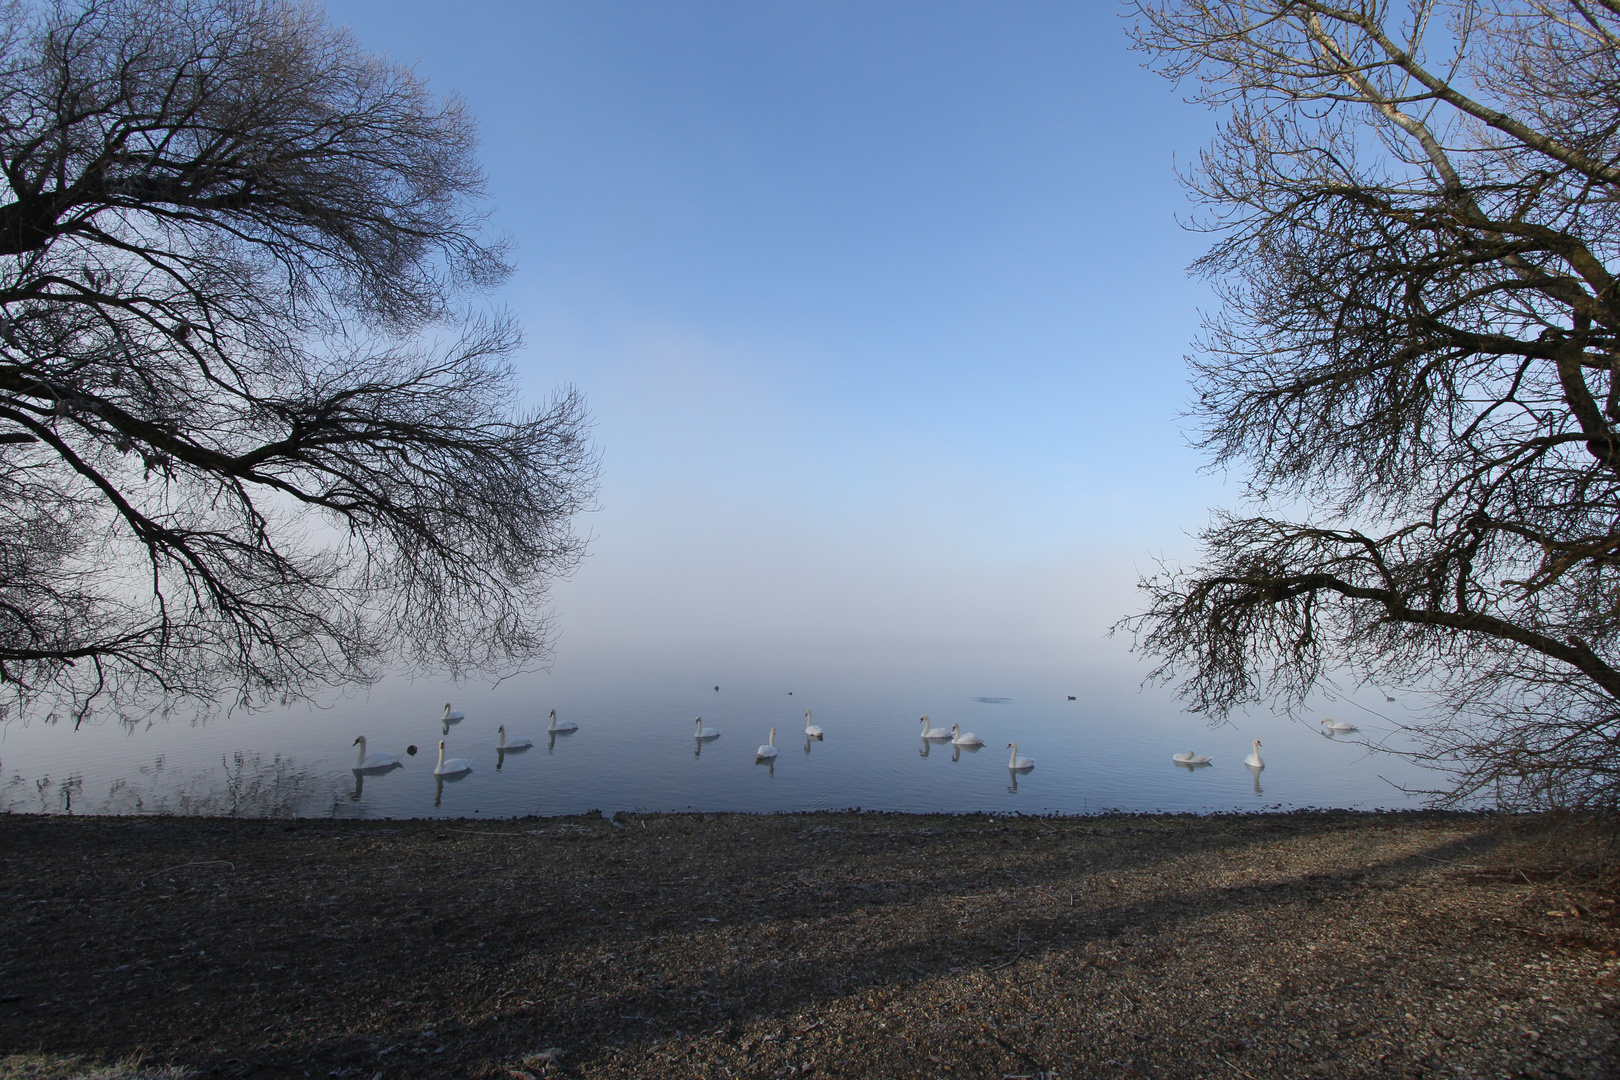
x=880, y=310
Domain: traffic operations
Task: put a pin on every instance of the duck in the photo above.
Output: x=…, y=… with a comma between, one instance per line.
x=503, y=743
x=1016, y=763
x=373, y=761
x=1189, y=758
x=933, y=732
x=1339, y=725
x=454, y=765
x=1253, y=760
x=768, y=750
x=964, y=738
x=811, y=731
x=706, y=732
x=563, y=728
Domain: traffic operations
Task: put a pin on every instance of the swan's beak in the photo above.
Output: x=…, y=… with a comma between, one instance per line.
x=356, y=742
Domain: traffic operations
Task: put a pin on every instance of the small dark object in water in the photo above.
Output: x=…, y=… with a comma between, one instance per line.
x=790, y=693
x=717, y=689
x=1071, y=697
x=1388, y=698
x=411, y=750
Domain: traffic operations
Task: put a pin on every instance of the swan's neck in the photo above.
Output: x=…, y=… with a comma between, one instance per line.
x=441, y=753
x=362, y=756
x=772, y=740
x=1014, y=759
x=553, y=725
x=502, y=740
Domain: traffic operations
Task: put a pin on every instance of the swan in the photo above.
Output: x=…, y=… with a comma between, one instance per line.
x=1189, y=758
x=1339, y=725
x=933, y=732
x=561, y=729
x=1016, y=763
x=503, y=743
x=964, y=738
x=1253, y=760
x=454, y=765
x=811, y=730
x=373, y=761
x=706, y=732
x=449, y=716
x=769, y=749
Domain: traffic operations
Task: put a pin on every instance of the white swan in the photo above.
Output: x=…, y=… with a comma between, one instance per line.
x=1016, y=763
x=454, y=765
x=964, y=738
x=450, y=717
x=373, y=761
x=503, y=743
x=1339, y=725
x=1189, y=758
x=933, y=732
x=812, y=730
x=769, y=749
x=1253, y=760
x=563, y=728
x=706, y=732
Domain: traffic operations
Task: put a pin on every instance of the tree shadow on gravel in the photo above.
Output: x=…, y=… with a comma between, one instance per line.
x=424, y=949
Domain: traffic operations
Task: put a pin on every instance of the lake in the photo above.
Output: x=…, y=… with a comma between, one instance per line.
x=1109, y=749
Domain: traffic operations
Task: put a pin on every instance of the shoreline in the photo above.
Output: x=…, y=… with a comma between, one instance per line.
x=717, y=945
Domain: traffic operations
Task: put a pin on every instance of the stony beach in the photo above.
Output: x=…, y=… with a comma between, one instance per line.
x=810, y=945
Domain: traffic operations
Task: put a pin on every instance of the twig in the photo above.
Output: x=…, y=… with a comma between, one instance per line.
x=1016, y=955
x=210, y=862
x=1049, y=896
x=1233, y=1067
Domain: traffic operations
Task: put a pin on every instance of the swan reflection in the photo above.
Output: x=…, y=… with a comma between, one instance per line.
x=441, y=779
x=926, y=746
x=1194, y=766
x=502, y=751
x=768, y=762
x=1254, y=771
x=808, y=742
x=1012, y=775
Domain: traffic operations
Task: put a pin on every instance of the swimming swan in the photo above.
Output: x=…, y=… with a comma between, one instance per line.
x=563, y=728
x=373, y=761
x=706, y=732
x=503, y=743
x=810, y=729
x=933, y=732
x=454, y=765
x=1189, y=758
x=964, y=738
x=1253, y=760
x=1016, y=763
x=768, y=750
x=364, y=760
x=450, y=717
x=1338, y=725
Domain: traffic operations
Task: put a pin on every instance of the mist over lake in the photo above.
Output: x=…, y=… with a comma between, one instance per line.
x=635, y=749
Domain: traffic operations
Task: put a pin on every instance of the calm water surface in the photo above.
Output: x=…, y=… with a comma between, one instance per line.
x=634, y=750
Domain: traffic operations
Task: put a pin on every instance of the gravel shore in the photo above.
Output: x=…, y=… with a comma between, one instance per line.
x=819, y=945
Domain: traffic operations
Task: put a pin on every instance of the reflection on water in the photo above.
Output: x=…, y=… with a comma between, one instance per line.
x=630, y=753
x=1255, y=771
x=243, y=784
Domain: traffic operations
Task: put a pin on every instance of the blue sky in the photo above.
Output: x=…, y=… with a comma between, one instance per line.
x=880, y=309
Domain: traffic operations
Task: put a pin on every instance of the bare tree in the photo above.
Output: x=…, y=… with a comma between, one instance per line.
x=252, y=440
x=1415, y=207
